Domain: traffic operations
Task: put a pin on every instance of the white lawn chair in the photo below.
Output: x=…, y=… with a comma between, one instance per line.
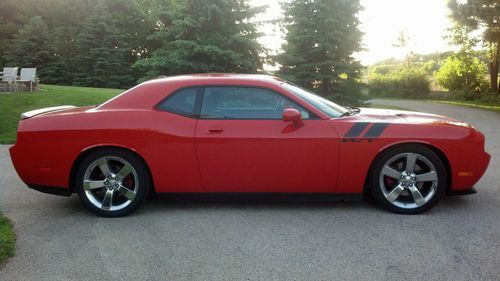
x=28, y=75
x=9, y=77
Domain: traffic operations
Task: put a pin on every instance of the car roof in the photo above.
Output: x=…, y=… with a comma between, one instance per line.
x=151, y=92
x=220, y=77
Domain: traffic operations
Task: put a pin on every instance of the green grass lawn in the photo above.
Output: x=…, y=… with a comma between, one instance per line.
x=13, y=104
x=7, y=239
x=473, y=104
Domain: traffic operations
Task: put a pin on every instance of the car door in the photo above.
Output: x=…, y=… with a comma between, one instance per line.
x=243, y=145
x=172, y=153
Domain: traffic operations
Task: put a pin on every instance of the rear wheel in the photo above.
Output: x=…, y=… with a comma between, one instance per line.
x=408, y=179
x=112, y=182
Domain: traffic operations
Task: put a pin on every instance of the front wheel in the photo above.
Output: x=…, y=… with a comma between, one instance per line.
x=112, y=182
x=408, y=179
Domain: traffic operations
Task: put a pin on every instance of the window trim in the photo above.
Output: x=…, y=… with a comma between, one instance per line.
x=200, y=97
x=312, y=115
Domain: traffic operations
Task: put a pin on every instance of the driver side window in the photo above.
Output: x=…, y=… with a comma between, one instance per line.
x=245, y=103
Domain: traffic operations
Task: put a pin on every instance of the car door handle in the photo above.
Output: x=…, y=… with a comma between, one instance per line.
x=215, y=130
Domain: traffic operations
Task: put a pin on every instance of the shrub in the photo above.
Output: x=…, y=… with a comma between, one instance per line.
x=490, y=98
x=399, y=83
x=463, y=75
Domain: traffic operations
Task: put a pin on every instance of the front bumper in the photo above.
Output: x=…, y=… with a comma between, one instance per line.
x=469, y=191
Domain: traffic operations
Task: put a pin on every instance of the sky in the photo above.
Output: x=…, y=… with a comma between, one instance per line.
x=425, y=22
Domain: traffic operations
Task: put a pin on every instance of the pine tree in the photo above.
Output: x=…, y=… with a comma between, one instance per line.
x=101, y=59
x=31, y=47
x=204, y=36
x=321, y=36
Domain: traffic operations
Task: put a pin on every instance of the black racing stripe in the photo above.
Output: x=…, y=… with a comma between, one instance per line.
x=375, y=130
x=356, y=129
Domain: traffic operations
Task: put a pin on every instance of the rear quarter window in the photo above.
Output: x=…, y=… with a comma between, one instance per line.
x=182, y=102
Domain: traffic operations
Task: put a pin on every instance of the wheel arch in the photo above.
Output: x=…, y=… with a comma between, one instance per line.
x=439, y=152
x=88, y=150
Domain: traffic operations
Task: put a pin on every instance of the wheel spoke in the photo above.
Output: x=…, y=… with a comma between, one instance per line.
x=108, y=200
x=417, y=196
x=394, y=194
x=124, y=171
x=103, y=165
x=410, y=162
x=430, y=176
x=390, y=172
x=90, y=185
x=129, y=194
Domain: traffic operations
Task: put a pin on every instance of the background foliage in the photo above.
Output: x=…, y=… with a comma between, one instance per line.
x=470, y=73
x=320, y=38
x=117, y=43
x=399, y=83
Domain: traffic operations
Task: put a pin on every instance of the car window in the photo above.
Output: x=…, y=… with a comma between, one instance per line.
x=182, y=102
x=245, y=103
x=328, y=107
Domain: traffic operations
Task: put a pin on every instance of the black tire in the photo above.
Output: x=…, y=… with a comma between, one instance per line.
x=378, y=180
x=140, y=178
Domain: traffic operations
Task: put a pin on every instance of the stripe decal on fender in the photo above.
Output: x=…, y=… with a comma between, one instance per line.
x=356, y=129
x=374, y=130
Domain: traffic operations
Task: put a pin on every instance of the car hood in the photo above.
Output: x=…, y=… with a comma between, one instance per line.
x=400, y=116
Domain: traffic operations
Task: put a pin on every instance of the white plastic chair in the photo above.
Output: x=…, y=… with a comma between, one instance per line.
x=27, y=75
x=9, y=77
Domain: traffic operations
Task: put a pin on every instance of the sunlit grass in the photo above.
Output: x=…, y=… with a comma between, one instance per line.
x=472, y=104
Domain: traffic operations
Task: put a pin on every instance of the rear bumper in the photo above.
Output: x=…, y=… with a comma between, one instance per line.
x=38, y=166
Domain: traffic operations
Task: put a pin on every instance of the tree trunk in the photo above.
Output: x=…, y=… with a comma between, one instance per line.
x=494, y=69
x=494, y=76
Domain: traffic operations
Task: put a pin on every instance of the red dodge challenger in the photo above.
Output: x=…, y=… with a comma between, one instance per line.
x=219, y=133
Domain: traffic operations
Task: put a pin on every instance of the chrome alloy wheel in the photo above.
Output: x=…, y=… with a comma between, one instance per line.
x=408, y=180
x=110, y=183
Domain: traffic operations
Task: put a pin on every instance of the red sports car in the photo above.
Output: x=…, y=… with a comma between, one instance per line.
x=219, y=133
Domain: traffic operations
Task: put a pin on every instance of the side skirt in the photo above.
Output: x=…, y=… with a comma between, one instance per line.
x=260, y=197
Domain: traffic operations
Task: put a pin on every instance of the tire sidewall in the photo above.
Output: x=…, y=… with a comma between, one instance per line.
x=381, y=160
x=137, y=164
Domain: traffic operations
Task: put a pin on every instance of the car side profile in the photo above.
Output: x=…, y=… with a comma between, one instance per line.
x=229, y=133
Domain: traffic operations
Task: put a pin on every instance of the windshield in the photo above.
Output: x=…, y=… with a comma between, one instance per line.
x=329, y=108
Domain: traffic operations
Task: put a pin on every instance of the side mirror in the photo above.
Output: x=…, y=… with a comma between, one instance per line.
x=293, y=115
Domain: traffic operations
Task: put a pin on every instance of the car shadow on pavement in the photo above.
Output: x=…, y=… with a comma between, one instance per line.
x=457, y=202
x=168, y=203
x=251, y=203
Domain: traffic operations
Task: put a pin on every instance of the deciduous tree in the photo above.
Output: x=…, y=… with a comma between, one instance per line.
x=483, y=15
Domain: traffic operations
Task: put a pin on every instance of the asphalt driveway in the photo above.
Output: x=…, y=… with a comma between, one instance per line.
x=457, y=240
